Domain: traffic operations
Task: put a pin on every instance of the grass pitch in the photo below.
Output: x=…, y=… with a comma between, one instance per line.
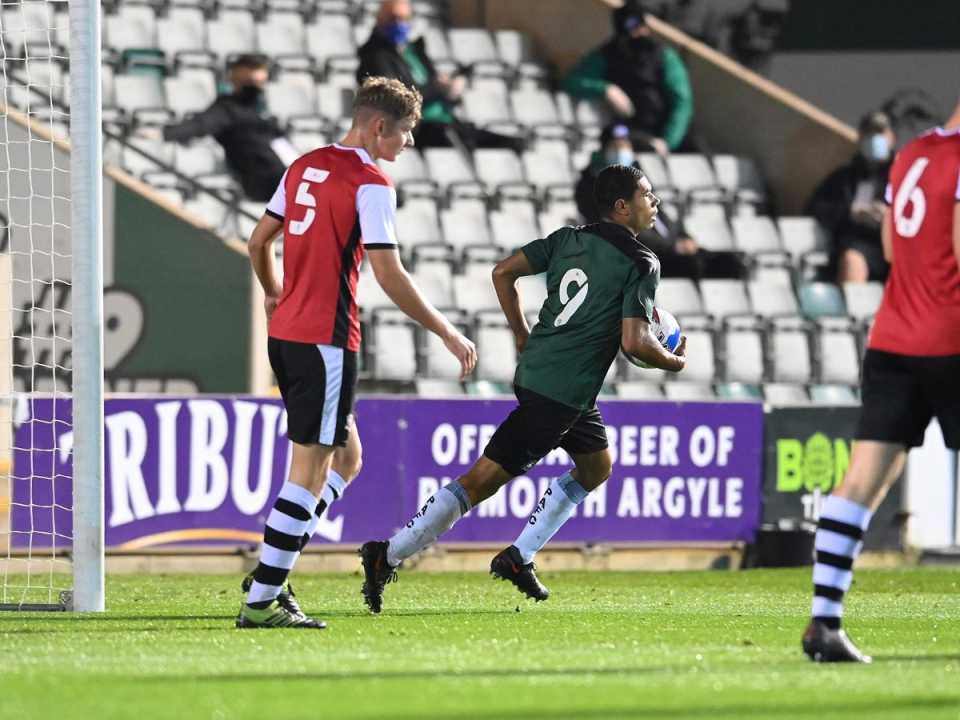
x=606, y=645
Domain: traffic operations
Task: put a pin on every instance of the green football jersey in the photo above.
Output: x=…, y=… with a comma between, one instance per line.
x=596, y=276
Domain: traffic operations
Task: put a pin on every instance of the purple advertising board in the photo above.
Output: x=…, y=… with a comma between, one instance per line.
x=206, y=470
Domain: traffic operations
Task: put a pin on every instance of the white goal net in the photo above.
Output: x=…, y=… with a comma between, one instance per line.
x=39, y=149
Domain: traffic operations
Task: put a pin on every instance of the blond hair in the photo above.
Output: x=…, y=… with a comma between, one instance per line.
x=389, y=96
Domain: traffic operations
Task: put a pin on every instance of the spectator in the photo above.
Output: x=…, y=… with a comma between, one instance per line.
x=849, y=204
x=644, y=82
x=390, y=52
x=256, y=149
x=679, y=254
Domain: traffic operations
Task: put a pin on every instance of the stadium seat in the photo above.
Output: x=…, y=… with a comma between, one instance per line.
x=738, y=391
x=474, y=292
x=305, y=141
x=656, y=171
x=293, y=94
x=394, y=352
x=330, y=36
x=438, y=388
x=688, y=391
x=534, y=107
x=772, y=299
x=514, y=224
x=755, y=234
x=439, y=363
x=190, y=91
x=201, y=157
x=465, y=223
x=557, y=216
x=692, y=175
x=712, y=232
x=801, y=236
x=839, y=357
x=134, y=26
x=370, y=296
x=152, y=153
x=547, y=166
x=472, y=45
x=819, y=300
x=485, y=104
x=437, y=44
x=496, y=353
x=639, y=390
x=679, y=296
x=834, y=395
x=773, y=275
x=739, y=178
x=135, y=92
x=863, y=299
x=790, y=356
x=418, y=223
x=785, y=394
x=232, y=32
x=592, y=113
x=743, y=356
x=184, y=29
x=725, y=298
x=334, y=102
x=533, y=292
x=449, y=168
x=498, y=168
x=435, y=280
x=281, y=32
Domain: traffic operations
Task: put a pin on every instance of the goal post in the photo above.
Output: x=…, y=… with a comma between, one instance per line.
x=86, y=222
x=51, y=302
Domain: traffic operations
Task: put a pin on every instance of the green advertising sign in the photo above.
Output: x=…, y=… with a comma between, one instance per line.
x=807, y=454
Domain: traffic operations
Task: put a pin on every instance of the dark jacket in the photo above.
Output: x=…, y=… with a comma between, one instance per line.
x=831, y=201
x=379, y=56
x=245, y=132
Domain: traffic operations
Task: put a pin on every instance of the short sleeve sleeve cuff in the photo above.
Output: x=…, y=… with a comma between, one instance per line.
x=377, y=208
x=277, y=207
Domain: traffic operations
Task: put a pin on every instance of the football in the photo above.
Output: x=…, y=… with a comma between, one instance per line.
x=667, y=330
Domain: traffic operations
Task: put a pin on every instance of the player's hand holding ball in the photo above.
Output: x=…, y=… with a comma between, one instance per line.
x=666, y=330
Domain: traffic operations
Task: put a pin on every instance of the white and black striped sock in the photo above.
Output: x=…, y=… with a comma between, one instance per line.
x=838, y=543
x=332, y=492
x=282, y=536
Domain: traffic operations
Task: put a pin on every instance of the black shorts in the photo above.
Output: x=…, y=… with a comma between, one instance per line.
x=318, y=384
x=902, y=393
x=538, y=426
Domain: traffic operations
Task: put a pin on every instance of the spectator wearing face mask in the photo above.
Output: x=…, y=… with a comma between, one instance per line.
x=849, y=204
x=679, y=254
x=391, y=52
x=256, y=149
x=644, y=83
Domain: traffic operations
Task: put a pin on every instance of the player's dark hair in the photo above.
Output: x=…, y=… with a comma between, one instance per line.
x=249, y=61
x=389, y=96
x=615, y=182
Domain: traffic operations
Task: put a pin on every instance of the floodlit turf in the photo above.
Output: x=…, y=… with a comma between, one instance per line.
x=606, y=645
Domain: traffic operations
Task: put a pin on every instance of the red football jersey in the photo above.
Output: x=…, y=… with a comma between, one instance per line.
x=334, y=202
x=920, y=311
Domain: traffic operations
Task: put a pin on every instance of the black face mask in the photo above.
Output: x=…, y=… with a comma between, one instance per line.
x=642, y=43
x=248, y=94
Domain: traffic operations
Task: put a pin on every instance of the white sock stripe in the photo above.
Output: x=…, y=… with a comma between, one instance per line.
x=826, y=608
x=835, y=543
x=846, y=511
x=336, y=482
x=333, y=363
x=282, y=522
x=832, y=577
x=262, y=593
x=299, y=495
x=275, y=557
